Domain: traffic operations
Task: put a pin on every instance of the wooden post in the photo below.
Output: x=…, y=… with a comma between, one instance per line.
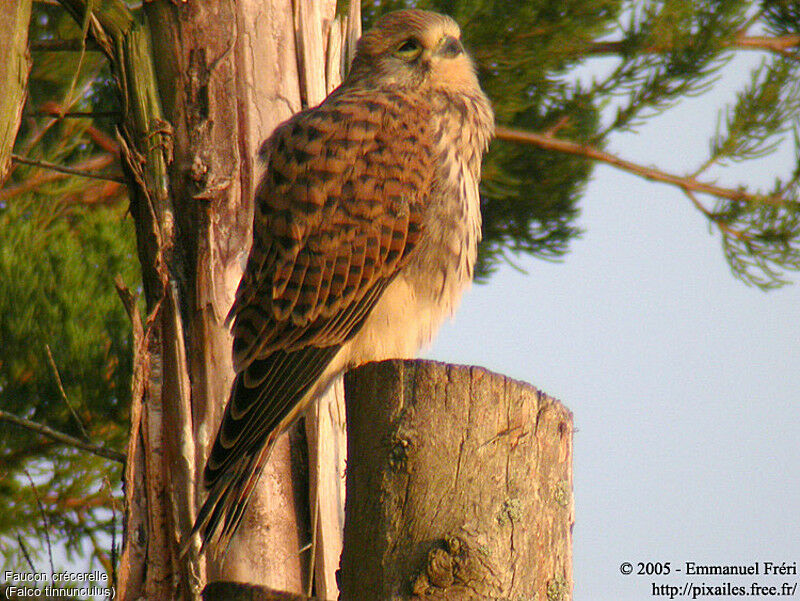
x=459, y=486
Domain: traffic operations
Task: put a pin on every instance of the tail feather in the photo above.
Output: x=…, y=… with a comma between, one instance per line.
x=253, y=419
x=221, y=514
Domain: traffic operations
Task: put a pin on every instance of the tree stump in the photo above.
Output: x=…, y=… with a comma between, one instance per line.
x=459, y=486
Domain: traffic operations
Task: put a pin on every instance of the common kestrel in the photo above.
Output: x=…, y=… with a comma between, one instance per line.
x=365, y=234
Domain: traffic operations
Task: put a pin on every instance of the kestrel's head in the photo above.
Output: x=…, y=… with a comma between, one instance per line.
x=414, y=48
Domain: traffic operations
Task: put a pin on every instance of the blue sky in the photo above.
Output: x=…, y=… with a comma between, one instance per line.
x=683, y=381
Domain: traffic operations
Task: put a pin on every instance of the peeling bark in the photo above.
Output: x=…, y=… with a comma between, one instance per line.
x=202, y=84
x=197, y=51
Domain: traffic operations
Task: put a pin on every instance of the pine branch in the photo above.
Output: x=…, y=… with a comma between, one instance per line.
x=73, y=114
x=685, y=183
x=45, y=523
x=57, y=375
x=99, y=137
x=780, y=45
x=759, y=231
x=45, y=177
x=25, y=553
x=724, y=228
x=68, y=170
x=36, y=136
x=60, y=503
x=11, y=459
x=95, y=449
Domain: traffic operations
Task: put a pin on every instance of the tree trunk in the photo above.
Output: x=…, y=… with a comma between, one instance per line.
x=14, y=69
x=199, y=53
x=201, y=85
x=459, y=486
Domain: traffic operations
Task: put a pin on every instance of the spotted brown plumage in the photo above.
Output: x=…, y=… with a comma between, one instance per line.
x=365, y=233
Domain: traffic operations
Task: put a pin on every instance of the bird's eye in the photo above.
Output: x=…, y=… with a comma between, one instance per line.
x=408, y=50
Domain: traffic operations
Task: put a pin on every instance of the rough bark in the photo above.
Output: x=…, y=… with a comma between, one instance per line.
x=201, y=85
x=156, y=471
x=14, y=69
x=197, y=55
x=459, y=486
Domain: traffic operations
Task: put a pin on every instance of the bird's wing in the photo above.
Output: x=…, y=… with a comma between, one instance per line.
x=338, y=212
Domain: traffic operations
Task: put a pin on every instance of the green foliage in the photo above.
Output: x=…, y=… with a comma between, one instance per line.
x=58, y=292
x=762, y=242
x=762, y=115
x=62, y=242
x=782, y=17
x=761, y=234
x=550, y=183
x=668, y=50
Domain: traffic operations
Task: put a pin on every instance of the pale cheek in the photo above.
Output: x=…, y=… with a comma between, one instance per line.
x=456, y=73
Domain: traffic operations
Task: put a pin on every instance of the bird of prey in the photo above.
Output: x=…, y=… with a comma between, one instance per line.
x=365, y=234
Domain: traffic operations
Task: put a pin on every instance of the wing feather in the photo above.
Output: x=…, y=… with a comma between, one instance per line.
x=338, y=214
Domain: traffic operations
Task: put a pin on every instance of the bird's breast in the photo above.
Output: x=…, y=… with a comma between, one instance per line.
x=429, y=287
